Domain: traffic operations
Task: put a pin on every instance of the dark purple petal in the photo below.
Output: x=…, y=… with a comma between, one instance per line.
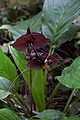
x=33, y=39
x=42, y=55
x=20, y=43
x=35, y=63
x=37, y=58
x=54, y=60
x=40, y=40
x=32, y=53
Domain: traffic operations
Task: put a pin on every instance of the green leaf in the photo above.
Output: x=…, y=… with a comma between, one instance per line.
x=3, y=94
x=8, y=71
x=50, y=115
x=7, y=114
x=71, y=75
x=58, y=16
x=4, y=84
x=7, y=68
x=72, y=117
x=38, y=88
x=21, y=63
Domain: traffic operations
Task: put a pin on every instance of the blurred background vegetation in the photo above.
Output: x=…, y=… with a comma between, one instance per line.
x=17, y=10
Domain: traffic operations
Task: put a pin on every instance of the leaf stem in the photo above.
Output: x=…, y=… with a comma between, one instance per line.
x=10, y=103
x=54, y=91
x=69, y=100
x=23, y=102
x=31, y=89
x=20, y=104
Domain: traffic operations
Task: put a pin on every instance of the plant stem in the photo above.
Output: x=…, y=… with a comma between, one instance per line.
x=54, y=91
x=69, y=100
x=23, y=102
x=20, y=104
x=11, y=104
x=31, y=89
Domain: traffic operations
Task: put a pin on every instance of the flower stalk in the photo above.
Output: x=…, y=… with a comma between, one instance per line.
x=69, y=101
x=54, y=92
x=26, y=111
x=31, y=90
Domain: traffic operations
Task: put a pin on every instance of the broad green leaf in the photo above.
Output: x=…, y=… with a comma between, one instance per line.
x=7, y=68
x=4, y=84
x=21, y=63
x=50, y=115
x=58, y=16
x=3, y=94
x=72, y=117
x=71, y=75
x=38, y=86
x=7, y=114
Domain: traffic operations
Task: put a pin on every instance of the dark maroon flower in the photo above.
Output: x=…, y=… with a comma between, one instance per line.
x=33, y=39
x=54, y=60
x=37, y=58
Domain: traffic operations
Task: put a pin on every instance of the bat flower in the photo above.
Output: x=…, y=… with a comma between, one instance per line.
x=37, y=58
x=31, y=39
x=31, y=54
